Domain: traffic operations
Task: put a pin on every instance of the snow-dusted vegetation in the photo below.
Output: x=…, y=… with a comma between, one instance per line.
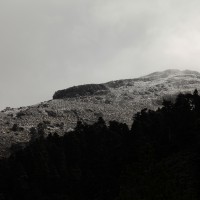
x=115, y=100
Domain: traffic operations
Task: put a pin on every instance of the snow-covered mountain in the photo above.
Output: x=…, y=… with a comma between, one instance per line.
x=115, y=100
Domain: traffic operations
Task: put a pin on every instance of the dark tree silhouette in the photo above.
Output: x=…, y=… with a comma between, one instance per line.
x=157, y=159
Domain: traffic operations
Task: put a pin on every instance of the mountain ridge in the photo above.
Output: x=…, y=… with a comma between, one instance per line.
x=115, y=100
x=90, y=89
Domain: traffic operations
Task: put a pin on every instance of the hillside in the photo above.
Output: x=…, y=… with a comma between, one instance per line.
x=157, y=158
x=116, y=100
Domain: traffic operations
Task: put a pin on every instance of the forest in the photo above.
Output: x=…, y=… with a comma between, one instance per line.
x=157, y=158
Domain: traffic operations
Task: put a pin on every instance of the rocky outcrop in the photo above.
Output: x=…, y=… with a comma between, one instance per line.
x=82, y=90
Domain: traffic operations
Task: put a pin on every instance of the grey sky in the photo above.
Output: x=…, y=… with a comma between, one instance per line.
x=46, y=45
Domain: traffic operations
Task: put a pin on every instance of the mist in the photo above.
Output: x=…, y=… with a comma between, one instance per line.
x=55, y=44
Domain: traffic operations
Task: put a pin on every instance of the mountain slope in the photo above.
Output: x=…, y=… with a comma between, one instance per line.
x=115, y=100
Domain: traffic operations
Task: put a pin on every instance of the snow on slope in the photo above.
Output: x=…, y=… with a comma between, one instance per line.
x=119, y=101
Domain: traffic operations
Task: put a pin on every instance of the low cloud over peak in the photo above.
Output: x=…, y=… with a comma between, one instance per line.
x=47, y=45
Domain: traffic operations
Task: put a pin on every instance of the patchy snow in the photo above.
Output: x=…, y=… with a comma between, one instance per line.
x=125, y=97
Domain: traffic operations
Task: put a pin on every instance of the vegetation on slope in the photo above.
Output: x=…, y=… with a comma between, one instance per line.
x=158, y=158
x=82, y=90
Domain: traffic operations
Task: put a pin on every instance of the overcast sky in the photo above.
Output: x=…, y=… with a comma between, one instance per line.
x=46, y=45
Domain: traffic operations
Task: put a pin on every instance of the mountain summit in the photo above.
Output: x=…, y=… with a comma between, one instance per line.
x=115, y=100
x=173, y=76
x=172, y=72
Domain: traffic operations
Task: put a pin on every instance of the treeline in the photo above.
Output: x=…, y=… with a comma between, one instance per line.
x=158, y=158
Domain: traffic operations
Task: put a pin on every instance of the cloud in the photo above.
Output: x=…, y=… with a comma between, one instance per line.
x=52, y=44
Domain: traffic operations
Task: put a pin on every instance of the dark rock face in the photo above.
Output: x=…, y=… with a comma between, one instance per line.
x=82, y=90
x=51, y=113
